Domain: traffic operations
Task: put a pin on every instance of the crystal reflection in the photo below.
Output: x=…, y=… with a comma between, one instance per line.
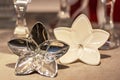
x=37, y=52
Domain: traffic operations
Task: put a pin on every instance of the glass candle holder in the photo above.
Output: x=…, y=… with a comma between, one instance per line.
x=21, y=29
x=108, y=25
x=64, y=14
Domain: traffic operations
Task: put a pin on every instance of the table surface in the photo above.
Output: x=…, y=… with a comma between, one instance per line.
x=109, y=69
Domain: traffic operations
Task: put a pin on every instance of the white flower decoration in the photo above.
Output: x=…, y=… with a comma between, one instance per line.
x=83, y=40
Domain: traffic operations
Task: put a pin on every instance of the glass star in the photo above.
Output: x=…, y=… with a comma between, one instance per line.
x=37, y=52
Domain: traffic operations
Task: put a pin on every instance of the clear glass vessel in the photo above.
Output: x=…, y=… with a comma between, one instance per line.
x=21, y=29
x=108, y=25
x=64, y=14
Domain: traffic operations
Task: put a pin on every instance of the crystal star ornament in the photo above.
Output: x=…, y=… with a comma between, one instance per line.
x=83, y=40
x=37, y=52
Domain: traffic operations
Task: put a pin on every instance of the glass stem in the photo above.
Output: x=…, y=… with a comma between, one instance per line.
x=64, y=9
x=21, y=22
x=21, y=9
x=109, y=7
x=111, y=14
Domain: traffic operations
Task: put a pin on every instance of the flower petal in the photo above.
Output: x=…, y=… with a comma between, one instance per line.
x=48, y=69
x=21, y=46
x=54, y=49
x=39, y=33
x=25, y=65
x=44, y=66
x=96, y=39
x=18, y=46
x=71, y=56
x=64, y=34
x=50, y=50
x=89, y=56
x=82, y=28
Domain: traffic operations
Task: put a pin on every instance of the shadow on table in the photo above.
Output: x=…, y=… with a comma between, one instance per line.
x=11, y=65
x=104, y=56
x=60, y=66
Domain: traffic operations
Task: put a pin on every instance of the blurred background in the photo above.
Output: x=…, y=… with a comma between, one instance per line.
x=46, y=11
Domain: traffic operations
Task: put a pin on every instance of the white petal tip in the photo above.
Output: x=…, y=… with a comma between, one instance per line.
x=94, y=64
x=70, y=57
x=90, y=56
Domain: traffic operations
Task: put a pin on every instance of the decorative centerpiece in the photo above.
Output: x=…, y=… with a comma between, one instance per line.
x=37, y=52
x=83, y=40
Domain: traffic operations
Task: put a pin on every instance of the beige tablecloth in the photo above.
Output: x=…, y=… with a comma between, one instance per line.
x=109, y=69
